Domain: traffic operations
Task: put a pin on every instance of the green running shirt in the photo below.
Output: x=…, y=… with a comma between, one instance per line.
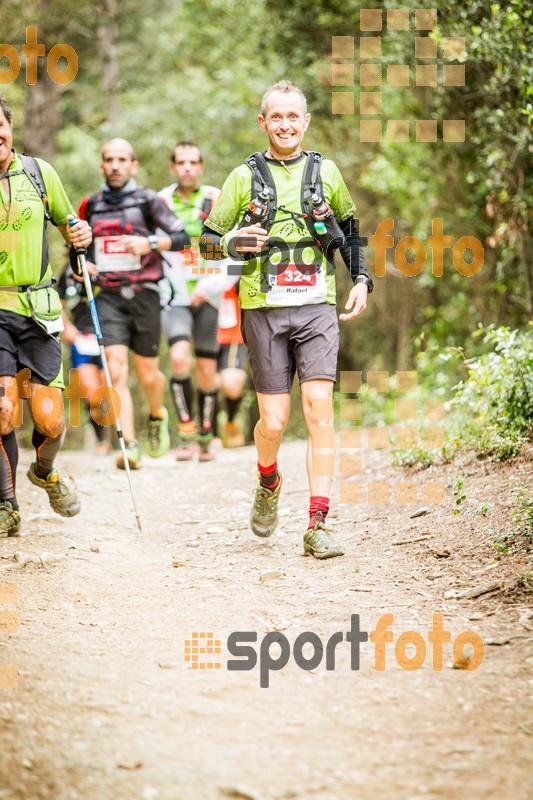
x=291, y=286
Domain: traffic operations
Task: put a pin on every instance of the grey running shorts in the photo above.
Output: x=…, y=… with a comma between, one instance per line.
x=283, y=341
x=198, y=324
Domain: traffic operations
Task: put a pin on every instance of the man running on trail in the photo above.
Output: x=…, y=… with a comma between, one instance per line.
x=30, y=321
x=287, y=294
x=126, y=251
x=191, y=314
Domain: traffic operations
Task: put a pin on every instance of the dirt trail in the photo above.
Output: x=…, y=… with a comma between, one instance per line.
x=108, y=709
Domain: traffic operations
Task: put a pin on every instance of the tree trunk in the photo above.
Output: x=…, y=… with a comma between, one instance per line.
x=42, y=117
x=107, y=47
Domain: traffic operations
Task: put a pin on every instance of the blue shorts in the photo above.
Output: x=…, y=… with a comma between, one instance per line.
x=77, y=359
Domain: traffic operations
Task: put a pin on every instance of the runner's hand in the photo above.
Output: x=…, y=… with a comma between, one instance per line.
x=137, y=245
x=80, y=234
x=92, y=269
x=252, y=232
x=197, y=298
x=356, y=302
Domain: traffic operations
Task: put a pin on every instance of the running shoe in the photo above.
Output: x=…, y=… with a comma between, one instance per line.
x=63, y=499
x=233, y=435
x=319, y=542
x=158, y=436
x=205, y=452
x=264, y=513
x=133, y=454
x=9, y=520
x=187, y=446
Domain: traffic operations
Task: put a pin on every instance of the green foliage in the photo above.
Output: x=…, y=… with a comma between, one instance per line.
x=459, y=495
x=494, y=404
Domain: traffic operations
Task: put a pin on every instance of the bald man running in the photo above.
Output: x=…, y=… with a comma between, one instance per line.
x=126, y=251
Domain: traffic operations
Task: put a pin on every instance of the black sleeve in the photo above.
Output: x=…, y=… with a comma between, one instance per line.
x=163, y=217
x=209, y=244
x=352, y=249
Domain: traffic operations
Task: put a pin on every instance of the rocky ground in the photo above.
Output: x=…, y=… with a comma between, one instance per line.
x=107, y=707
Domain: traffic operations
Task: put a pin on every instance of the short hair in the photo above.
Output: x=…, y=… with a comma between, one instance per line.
x=8, y=114
x=185, y=144
x=285, y=87
x=123, y=141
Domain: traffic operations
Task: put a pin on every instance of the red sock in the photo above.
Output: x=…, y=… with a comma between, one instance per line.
x=269, y=475
x=320, y=505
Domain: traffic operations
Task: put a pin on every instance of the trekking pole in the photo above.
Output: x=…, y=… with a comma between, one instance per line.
x=80, y=253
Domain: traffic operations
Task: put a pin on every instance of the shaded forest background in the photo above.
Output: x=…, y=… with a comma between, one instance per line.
x=158, y=71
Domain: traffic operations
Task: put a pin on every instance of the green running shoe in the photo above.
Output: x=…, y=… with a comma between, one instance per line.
x=63, y=499
x=9, y=520
x=205, y=452
x=264, y=514
x=133, y=454
x=319, y=542
x=158, y=442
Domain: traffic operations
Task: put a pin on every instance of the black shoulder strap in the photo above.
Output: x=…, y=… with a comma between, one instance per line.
x=137, y=199
x=32, y=170
x=311, y=184
x=262, y=180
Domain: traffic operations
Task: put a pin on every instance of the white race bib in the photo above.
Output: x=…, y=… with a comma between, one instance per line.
x=112, y=256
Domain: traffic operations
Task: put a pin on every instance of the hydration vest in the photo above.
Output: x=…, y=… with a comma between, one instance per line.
x=311, y=183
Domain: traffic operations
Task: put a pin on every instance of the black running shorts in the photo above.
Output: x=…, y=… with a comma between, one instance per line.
x=24, y=344
x=132, y=321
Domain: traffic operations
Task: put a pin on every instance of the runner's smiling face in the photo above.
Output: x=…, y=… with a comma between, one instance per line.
x=187, y=167
x=6, y=142
x=285, y=123
x=118, y=164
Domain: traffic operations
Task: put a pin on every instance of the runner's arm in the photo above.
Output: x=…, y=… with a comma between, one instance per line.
x=164, y=218
x=352, y=250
